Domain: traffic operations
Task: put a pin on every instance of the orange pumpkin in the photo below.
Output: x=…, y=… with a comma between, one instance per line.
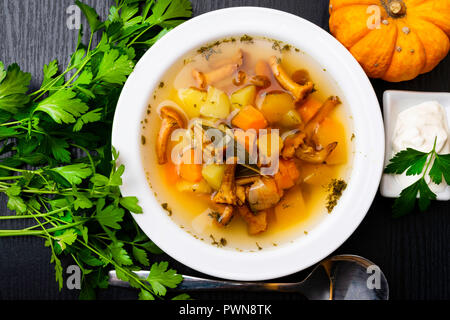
x=395, y=40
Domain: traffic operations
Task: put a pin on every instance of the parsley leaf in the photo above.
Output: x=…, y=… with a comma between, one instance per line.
x=110, y=216
x=119, y=254
x=141, y=256
x=167, y=13
x=91, y=16
x=131, y=204
x=114, y=68
x=62, y=106
x=415, y=163
x=160, y=278
x=441, y=167
x=409, y=159
x=13, y=86
x=74, y=173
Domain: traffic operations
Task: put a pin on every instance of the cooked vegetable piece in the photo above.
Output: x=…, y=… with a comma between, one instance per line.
x=256, y=223
x=197, y=187
x=192, y=99
x=316, y=174
x=263, y=194
x=217, y=104
x=171, y=173
x=267, y=145
x=309, y=108
x=298, y=91
x=291, y=120
x=171, y=120
x=227, y=190
x=213, y=174
x=188, y=168
x=291, y=209
x=243, y=97
x=329, y=131
x=249, y=118
x=275, y=105
x=287, y=175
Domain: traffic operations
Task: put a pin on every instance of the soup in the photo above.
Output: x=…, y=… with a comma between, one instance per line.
x=247, y=143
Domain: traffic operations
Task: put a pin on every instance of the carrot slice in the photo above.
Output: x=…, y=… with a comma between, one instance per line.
x=287, y=174
x=188, y=169
x=249, y=118
x=171, y=173
x=309, y=108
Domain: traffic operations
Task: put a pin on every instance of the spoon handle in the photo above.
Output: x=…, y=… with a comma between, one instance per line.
x=199, y=284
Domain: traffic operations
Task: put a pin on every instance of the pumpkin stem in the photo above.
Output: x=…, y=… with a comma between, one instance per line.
x=396, y=8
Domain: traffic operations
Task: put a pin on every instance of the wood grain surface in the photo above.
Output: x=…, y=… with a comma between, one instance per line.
x=413, y=252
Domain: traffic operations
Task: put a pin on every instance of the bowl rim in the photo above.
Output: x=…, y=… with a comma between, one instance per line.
x=368, y=157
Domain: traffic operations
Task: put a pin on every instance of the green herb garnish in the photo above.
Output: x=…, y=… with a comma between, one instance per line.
x=418, y=163
x=56, y=165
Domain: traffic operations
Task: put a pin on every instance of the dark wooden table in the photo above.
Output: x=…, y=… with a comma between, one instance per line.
x=413, y=251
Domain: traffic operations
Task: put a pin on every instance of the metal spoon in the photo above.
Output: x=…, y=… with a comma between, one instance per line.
x=342, y=277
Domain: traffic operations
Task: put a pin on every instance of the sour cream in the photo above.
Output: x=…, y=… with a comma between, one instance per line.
x=418, y=127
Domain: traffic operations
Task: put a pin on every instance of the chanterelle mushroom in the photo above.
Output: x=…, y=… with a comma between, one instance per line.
x=298, y=91
x=313, y=124
x=171, y=120
x=227, y=191
x=291, y=143
x=220, y=73
x=309, y=154
x=256, y=223
x=223, y=214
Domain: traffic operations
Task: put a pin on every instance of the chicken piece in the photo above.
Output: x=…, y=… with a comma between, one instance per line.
x=256, y=223
x=263, y=194
x=227, y=191
x=328, y=106
x=310, y=155
x=171, y=120
x=299, y=92
x=219, y=73
x=292, y=143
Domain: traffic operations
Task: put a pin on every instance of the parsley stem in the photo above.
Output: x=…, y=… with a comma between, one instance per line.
x=140, y=34
x=24, y=232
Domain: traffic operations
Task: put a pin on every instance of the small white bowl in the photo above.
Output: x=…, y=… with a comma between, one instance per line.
x=368, y=144
x=394, y=102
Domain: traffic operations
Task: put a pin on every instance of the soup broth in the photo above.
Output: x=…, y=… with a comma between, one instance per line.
x=301, y=206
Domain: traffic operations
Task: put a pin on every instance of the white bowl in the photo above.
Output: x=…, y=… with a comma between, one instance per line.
x=368, y=157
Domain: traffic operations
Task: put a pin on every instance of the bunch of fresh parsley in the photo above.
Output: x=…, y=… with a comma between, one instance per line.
x=418, y=163
x=56, y=165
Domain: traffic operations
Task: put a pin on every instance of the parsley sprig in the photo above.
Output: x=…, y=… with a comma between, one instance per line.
x=416, y=163
x=56, y=166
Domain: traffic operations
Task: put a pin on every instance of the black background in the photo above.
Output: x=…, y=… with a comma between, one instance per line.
x=413, y=251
